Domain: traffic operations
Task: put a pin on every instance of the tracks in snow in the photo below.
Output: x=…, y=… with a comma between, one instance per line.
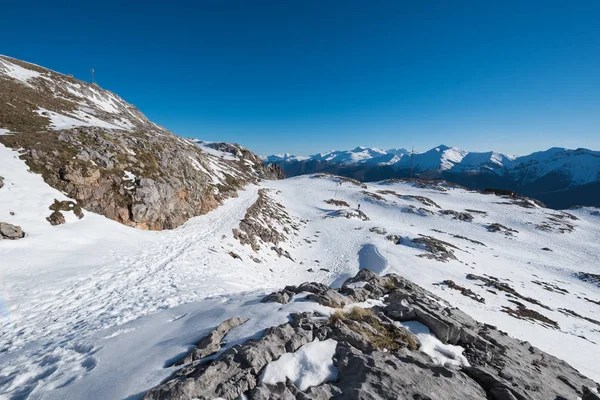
x=163, y=270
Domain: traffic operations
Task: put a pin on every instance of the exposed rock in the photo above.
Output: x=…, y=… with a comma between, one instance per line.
x=423, y=212
x=461, y=216
x=505, y=287
x=330, y=298
x=10, y=231
x=339, y=203
x=56, y=218
x=67, y=205
x=266, y=221
x=211, y=343
x=496, y=227
x=348, y=213
x=424, y=200
x=464, y=291
x=373, y=195
x=377, y=230
x=589, y=395
x=282, y=297
x=1, y=182
x=436, y=249
x=378, y=359
x=125, y=168
x=393, y=238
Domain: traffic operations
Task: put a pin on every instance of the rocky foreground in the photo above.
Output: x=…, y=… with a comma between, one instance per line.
x=376, y=356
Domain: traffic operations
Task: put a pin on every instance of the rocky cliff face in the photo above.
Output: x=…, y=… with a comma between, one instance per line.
x=403, y=348
x=103, y=152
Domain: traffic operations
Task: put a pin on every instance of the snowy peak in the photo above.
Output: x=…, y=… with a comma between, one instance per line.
x=581, y=166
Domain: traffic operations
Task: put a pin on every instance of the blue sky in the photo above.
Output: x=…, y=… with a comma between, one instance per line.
x=309, y=76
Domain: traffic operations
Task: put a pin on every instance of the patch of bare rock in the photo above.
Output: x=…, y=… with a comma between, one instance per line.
x=10, y=231
x=376, y=357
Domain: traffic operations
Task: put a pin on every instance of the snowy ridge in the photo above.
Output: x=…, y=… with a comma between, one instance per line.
x=581, y=166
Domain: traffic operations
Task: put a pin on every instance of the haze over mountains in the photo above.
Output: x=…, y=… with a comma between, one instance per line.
x=559, y=177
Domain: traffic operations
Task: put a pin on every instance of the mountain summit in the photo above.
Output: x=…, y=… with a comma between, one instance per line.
x=559, y=177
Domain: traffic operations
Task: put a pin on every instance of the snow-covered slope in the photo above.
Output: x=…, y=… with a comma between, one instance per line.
x=93, y=308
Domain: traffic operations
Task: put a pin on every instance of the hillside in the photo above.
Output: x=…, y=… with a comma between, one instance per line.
x=106, y=155
x=561, y=178
x=110, y=314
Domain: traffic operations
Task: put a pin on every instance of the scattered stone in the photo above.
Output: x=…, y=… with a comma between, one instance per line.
x=546, y=249
x=56, y=218
x=496, y=227
x=282, y=297
x=461, y=216
x=506, y=288
x=261, y=222
x=425, y=200
x=522, y=312
x=1, y=182
x=349, y=213
x=464, y=291
x=10, y=231
x=373, y=195
x=393, y=238
x=423, y=212
x=235, y=255
x=436, y=249
x=339, y=203
x=574, y=314
x=551, y=287
x=377, y=230
x=589, y=278
x=484, y=213
x=67, y=205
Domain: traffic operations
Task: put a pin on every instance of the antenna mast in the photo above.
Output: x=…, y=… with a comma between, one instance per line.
x=412, y=153
x=92, y=71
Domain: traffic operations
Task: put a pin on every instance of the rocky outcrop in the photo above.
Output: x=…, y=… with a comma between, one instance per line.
x=376, y=357
x=266, y=222
x=211, y=343
x=11, y=232
x=104, y=153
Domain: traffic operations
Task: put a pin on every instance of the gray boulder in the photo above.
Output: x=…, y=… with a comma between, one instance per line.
x=10, y=231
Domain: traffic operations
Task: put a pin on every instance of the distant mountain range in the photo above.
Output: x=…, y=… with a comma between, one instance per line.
x=559, y=177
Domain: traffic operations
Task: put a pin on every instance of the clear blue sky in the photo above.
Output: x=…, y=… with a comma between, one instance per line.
x=307, y=76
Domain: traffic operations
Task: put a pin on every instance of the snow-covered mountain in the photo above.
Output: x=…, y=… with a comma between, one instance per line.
x=105, y=154
x=560, y=177
x=112, y=309
x=316, y=287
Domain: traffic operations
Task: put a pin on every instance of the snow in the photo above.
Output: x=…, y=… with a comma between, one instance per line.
x=129, y=176
x=310, y=365
x=95, y=309
x=17, y=72
x=441, y=353
x=581, y=166
x=78, y=118
x=4, y=131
